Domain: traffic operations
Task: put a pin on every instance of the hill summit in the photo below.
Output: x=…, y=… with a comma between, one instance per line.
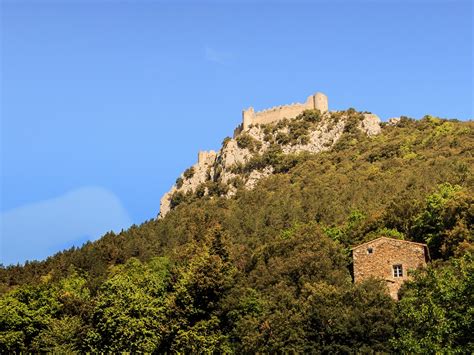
x=247, y=157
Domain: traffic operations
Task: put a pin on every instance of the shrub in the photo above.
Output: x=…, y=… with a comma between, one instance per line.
x=225, y=141
x=217, y=188
x=283, y=138
x=200, y=190
x=189, y=173
x=245, y=140
x=176, y=199
x=298, y=131
x=312, y=116
x=236, y=181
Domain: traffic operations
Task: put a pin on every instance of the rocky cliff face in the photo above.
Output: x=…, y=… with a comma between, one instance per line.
x=249, y=156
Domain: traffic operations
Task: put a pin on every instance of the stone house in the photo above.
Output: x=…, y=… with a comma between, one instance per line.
x=388, y=259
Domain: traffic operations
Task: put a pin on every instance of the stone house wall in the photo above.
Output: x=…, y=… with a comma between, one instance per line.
x=378, y=257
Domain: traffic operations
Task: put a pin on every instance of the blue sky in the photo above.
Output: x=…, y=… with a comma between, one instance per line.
x=104, y=103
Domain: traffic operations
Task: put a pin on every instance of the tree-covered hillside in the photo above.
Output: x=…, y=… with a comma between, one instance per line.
x=269, y=269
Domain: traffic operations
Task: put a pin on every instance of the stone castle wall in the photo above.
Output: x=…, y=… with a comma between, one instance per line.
x=206, y=158
x=385, y=253
x=250, y=117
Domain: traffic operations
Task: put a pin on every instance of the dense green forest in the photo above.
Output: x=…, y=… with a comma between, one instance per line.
x=270, y=268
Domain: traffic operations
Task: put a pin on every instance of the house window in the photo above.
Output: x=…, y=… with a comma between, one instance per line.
x=370, y=250
x=397, y=270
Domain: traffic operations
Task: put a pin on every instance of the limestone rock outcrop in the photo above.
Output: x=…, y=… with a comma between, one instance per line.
x=371, y=124
x=197, y=175
x=393, y=121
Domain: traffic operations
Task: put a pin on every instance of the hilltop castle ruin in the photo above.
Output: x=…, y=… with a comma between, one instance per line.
x=317, y=101
x=220, y=167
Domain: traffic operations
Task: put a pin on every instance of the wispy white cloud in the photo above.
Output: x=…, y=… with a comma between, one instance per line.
x=36, y=230
x=216, y=56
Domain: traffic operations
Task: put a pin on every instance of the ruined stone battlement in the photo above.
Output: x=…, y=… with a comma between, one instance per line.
x=317, y=101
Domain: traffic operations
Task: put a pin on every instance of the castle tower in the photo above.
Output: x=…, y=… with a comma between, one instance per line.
x=318, y=101
x=321, y=102
x=248, y=117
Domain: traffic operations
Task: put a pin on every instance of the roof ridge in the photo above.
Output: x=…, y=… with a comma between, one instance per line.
x=398, y=240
